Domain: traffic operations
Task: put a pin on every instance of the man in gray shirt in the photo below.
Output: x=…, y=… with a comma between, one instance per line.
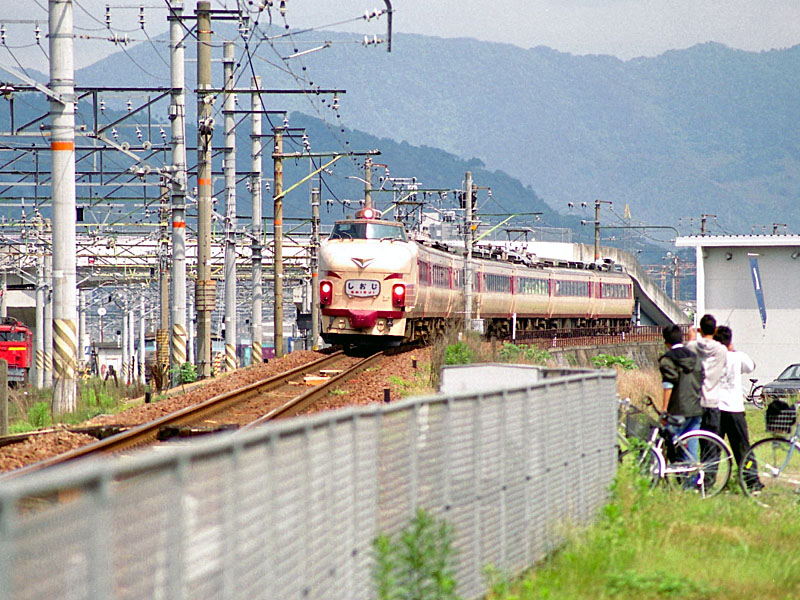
x=713, y=355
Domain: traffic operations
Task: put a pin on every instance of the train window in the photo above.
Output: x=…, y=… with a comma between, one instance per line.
x=498, y=283
x=424, y=273
x=354, y=230
x=441, y=276
x=530, y=285
x=616, y=290
x=12, y=336
x=571, y=288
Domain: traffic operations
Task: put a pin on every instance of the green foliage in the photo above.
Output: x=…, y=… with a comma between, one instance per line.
x=459, y=353
x=519, y=353
x=417, y=564
x=609, y=361
x=186, y=373
x=20, y=427
x=39, y=415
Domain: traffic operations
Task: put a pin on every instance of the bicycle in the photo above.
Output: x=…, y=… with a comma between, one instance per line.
x=770, y=469
x=754, y=396
x=695, y=460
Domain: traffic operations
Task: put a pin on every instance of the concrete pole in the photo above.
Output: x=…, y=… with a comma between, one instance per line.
x=48, y=320
x=204, y=295
x=277, y=157
x=62, y=146
x=132, y=345
x=468, y=237
x=256, y=328
x=81, y=327
x=162, y=334
x=142, y=350
x=190, y=330
x=315, y=269
x=368, y=183
x=4, y=296
x=596, y=230
x=178, y=134
x=230, y=209
x=125, y=354
x=40, y=301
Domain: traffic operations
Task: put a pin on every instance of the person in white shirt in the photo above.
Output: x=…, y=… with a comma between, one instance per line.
x=731, y=399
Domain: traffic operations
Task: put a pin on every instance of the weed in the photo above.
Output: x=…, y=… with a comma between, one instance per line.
x=523, y=353
x=458, y=354
x=418, y=563
x=186, y=373
x=339, y=392
x=609, y=361
x=39, y=415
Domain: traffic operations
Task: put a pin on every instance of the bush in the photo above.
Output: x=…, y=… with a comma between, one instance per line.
x=39, y=415
x=458, y=354
x=186, y=373
x=417, y=564
x=609, y=361
x=523, y=353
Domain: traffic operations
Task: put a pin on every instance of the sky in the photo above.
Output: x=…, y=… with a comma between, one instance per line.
x=622, y=28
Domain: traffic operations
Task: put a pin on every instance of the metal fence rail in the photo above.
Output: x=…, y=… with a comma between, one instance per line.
x=291, y=510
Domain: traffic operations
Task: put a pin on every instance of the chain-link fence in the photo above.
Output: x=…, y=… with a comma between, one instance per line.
x=291, y=510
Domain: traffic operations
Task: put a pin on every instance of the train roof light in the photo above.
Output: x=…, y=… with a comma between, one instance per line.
x=368, y=213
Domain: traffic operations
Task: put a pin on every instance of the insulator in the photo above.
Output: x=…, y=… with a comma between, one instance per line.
x=114, y=133
x=336, y=102
x=102, y=105
x=282, y=8
x=3, y=34
x=139, y=134
x=130, y=106
x=108, y=16
x=163, y=133
x=141, y=17
x=37, y=32
x=285, y=121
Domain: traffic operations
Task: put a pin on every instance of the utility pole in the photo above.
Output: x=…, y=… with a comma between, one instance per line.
x=62, y=147
x=132, y=344
x=162, y=334
x=277, y=191
x=256, y=329
x=230, y=209
x=597, y=204
x=468, y=241
x=315, y=268
x=368, y=182
x=40, y=300
x=142, y=352
x=205, y=296
x=48, y=316
x=177, y=116
x=125, y=355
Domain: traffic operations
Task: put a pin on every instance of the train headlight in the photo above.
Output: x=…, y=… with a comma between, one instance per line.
x=399, y=294
x=325, y=293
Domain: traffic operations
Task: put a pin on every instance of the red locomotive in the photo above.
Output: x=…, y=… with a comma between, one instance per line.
x=16, y=346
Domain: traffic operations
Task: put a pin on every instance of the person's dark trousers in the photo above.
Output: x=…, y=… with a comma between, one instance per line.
x=710, y=420
x=708, y=453
x=734, y=426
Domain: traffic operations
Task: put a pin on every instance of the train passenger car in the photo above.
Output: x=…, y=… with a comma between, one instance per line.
x=16, y=346
x=377, y=287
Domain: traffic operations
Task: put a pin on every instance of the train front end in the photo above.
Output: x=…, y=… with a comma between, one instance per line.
x=366, y=286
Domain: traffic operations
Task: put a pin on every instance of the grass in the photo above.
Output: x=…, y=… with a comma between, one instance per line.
x=661, y=543
x=654, y=544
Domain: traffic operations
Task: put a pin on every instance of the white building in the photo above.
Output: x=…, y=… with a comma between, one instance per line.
x=729, y=271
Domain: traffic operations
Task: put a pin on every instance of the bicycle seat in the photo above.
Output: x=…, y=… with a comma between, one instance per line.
x=674, y=420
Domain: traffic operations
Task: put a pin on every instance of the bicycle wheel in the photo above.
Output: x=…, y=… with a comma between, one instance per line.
x=649, y=464
x=770, y=472
x=756, y=398
x=703, y=463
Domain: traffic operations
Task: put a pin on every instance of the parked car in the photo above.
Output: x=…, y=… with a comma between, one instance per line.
x=787, y=384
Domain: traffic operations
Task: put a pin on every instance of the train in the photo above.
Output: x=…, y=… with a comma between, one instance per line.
x=379, y=287
x=16, y=346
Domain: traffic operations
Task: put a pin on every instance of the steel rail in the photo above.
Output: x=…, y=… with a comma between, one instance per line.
x=305, y=400
x=148, y=432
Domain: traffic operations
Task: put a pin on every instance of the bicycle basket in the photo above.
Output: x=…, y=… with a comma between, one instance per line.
x=638, y=425
x=780, y=417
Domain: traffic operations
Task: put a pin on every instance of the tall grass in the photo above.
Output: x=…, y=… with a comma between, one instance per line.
x=654, y=544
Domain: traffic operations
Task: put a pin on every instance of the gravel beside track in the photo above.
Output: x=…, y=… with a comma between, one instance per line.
x=366, y=388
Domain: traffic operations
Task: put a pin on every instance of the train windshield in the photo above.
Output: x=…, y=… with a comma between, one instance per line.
x=354, y=230
x=12, y=336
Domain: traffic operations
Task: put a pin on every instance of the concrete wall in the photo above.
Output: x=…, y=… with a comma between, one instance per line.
x=644, y=354
x=728, y=294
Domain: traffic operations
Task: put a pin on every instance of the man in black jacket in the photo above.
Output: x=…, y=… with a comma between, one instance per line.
x=682, y=380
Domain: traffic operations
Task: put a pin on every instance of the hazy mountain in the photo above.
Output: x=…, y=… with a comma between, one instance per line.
x=701, y=130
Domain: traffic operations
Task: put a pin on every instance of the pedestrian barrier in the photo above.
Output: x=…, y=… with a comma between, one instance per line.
x=290, y=510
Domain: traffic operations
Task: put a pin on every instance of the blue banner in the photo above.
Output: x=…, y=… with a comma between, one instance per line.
x=762, y=309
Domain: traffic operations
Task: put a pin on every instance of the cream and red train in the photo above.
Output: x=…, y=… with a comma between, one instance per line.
x=379, y=288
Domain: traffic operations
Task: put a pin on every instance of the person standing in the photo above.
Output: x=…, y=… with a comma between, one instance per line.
x=731, y=400
x=713, y=354
x=682, y=380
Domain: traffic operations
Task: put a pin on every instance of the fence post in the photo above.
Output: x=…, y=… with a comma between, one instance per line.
x=3, y=397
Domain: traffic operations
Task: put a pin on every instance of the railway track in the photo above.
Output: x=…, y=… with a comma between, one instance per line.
x=230, y=410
